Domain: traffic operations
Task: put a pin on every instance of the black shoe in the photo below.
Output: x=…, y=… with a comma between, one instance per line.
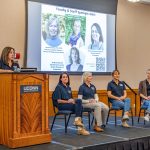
x=103, y=126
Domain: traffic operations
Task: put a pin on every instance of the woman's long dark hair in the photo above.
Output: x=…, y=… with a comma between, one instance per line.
x=60, y=77
x=5, y=53
x=98, y=28
x=77, y=51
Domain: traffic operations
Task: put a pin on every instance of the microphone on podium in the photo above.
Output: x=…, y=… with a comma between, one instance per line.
x=17, y=55
x=16, y=58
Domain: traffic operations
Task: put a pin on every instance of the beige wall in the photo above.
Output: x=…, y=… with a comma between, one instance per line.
x=12, y=25
x=133, y=40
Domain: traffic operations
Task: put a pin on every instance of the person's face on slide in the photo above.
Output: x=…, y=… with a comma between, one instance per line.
x=95, y=34
x=53, y=29
x=11, y=55
x=64, y=79
x=74, y=55
x=89, y=78
x=76, y=27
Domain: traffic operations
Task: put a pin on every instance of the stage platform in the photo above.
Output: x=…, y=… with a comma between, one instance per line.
x=113, y=138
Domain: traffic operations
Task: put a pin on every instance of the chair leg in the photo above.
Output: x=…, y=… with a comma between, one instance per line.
x=144, y=115
x=89, y=120
x=132, y=117
x=68, y=119
x=115, y=118
x=108, y=116
x=92, y=120
x=53, y=122
x=139, y=115
x=65, y=124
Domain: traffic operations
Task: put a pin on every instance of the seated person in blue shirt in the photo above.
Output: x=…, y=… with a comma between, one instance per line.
x=144, y=91
x=52, y=38
x=118, y=96
x=87, y=92
x=7, y=63
x=64, y=100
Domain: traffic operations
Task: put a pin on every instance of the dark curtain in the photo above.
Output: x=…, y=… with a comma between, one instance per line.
x=131, y=144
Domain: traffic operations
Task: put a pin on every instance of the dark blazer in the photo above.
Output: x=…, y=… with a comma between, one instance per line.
x=143, y=88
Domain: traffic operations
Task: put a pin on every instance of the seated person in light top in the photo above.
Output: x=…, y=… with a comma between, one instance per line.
x=52, y=38
x=144, y=91
x=7, y=63
x=74, y=60
x=63, y=97
x=87, y=92
x=118, y=96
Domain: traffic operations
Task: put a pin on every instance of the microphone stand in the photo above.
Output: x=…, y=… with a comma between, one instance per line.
x=133, y=93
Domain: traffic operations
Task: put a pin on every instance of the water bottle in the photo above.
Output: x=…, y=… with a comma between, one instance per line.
x=16, y=69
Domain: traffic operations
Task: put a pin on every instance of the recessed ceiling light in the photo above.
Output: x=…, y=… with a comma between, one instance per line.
x=133, y=1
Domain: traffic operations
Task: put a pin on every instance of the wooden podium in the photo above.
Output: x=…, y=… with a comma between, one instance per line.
x=24, y=109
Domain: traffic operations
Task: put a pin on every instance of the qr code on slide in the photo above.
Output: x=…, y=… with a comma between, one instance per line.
x=100, y=64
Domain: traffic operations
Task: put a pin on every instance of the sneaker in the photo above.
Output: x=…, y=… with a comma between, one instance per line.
x=146, y=118
x=125, y=117
x=83, y=132
x=97, y=129
x=103, y=126
x=78, y=123
x=125, y=125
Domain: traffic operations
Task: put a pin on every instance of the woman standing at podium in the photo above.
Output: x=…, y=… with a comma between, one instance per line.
x=7, y=63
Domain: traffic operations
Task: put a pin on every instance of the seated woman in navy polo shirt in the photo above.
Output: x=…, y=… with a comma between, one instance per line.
x=87, y=92
x=7, y=63
x=63, y=96
x=118, y=96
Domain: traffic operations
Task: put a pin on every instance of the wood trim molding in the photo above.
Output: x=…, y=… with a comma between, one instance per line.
x=135, y=101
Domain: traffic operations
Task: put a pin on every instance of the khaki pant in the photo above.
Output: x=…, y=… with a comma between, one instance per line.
x=100, y=111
